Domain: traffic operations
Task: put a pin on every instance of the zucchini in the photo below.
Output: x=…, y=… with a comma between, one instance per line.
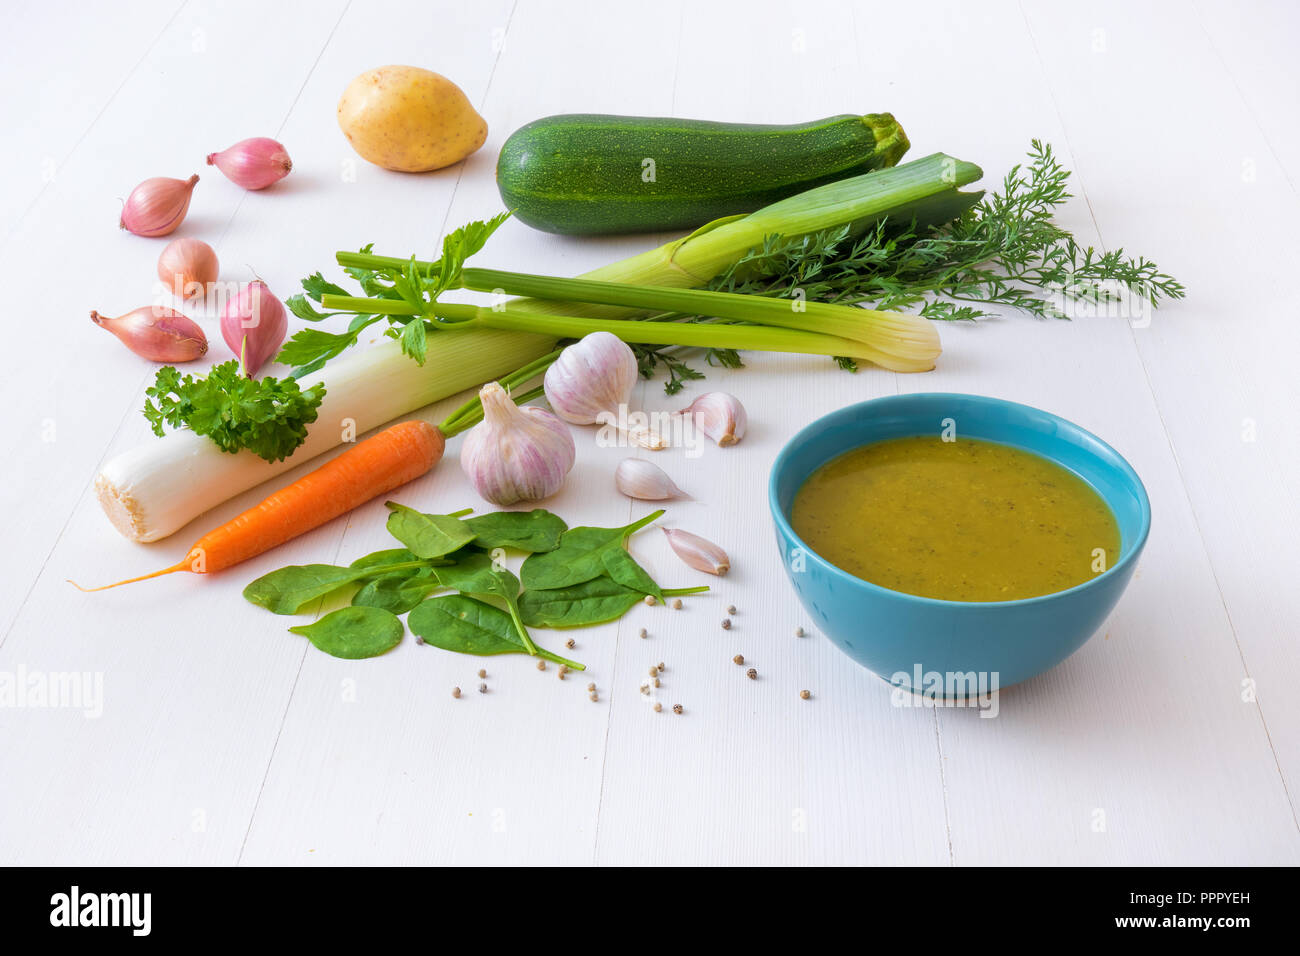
x=590, y=174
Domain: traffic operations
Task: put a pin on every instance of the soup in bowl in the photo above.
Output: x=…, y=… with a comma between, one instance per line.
x=940, y=539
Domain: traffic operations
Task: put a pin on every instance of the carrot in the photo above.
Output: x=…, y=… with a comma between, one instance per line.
x=373, y=467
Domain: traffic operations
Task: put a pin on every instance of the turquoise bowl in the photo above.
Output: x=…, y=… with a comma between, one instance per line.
x=914, y=641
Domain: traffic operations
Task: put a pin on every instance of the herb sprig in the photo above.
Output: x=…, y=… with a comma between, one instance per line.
x=268, y=416
x=1006, y=252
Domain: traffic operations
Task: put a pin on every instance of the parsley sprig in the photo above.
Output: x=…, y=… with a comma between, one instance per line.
x=268, y=416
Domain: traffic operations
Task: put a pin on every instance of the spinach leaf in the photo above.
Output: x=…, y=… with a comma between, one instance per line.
x=534, y=531
x=354, y=633
x=287, y=589
x=581, y=557
x=622, y=567
x=379, y=558
x=469, y=626
x=479, y=574
x=591, y=602
x=427, y=536
x=398, y=592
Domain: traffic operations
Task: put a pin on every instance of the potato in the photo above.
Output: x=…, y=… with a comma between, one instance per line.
x=409, y=119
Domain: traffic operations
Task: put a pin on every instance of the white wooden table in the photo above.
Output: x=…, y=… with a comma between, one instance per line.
x=1172, y=737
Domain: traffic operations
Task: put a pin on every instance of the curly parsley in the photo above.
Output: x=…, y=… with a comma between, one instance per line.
x=267, y=416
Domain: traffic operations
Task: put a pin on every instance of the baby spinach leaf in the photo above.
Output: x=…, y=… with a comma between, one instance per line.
x=379, y=558
x=534, y=531
x=427, y=536
x=581, y=557
x=591, y=602
x=479, y=574
x=622, y=567
x=469, y=626
x=354, y=633
x=398, y=592
x=287, y=589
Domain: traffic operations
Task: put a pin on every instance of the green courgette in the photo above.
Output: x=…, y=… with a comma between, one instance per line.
x=588, y=174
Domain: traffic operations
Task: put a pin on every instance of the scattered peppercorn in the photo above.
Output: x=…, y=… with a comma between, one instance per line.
x=593, y=696
x=677, y=604
x=738, y=659
x=658, y=707
x=660, y=665
x=482, y=688
x=805, y=694
x=482, y=673
x=569, y=643
x=656, y=681
x=591, y=686
x=642, y=634
x=731, y=609
x=419, y=639
x=653, y=670
x=798, y=632
x=649, y=600
x=751, y=674
x=677, y=708
x=541, y=665
x=726, y=623
x=455, y=692
x=562, y=671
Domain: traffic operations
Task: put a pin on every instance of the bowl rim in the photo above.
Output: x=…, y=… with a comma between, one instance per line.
x=805, y=433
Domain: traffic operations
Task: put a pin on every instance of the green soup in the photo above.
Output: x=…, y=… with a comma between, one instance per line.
x=964, y=520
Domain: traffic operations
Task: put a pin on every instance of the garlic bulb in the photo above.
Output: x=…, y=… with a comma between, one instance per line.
x=720, y=416
x=515, y=454
x=592, y=381
x=700, y=554
x=638, y=478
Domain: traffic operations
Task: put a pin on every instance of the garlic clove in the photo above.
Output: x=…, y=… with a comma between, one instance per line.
x=638, y=478
x=516, y=454
x=697, y=552
x=719, y=416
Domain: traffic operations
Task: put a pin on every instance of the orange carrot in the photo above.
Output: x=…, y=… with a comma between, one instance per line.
x=373, y=467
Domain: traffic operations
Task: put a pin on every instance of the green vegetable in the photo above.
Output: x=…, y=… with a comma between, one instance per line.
x=427, y=536
x=586, y=553
x=532, y=531
x=926, y=189
x=1005, y=252
x=379, y=558
x=478, y=574
x=398, y=592
x=468, y=626
x=267, y=416
x=591, y=602
x=586, y=174
x=354, y=633
x=286, y=590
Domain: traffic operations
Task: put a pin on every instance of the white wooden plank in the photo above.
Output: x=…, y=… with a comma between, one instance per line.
x=513, y=775
x=1254, y=45
x=750, y=773
x=48, y=108
x=192, y=697
x=1211, y=363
